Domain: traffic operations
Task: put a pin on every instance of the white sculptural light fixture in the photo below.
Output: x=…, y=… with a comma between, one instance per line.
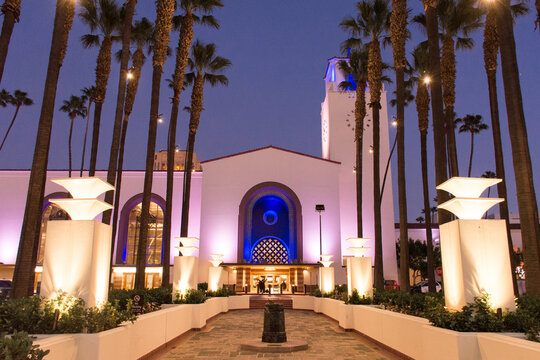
x=466, y=187
x=216, y=259
x=474, y=251
x=467, y=203
x=325, y=260
x=82, y=209
x=84, y=187
x=187, y=245
x=358, y=249
x=83, y=205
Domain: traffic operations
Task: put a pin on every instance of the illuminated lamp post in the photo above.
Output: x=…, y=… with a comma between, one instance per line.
x=214, y=272
x=359, y=274
x=77, y=251
x=474, y=251
x=185, y=268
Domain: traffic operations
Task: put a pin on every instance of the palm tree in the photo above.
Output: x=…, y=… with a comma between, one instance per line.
x=421, y=66
x=164, y=12
x=439, y=138
x=491, y=50
x=184, y=24
x=88, y=93
x=18, y=99
x=357, y=67
x=141, y=34
x=23, y=276
x=126, y=18
x=472, y=124
x=528, y=209
x=205, y=67
x=104, y=19
x=75, y=106
x=398, y=35
x=372, y=22
x=11, y=10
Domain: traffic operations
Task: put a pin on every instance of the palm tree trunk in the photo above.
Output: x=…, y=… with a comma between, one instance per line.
x=85, y=136
x=470, y=158
x=69, y=144
x=95, y=138
x=149, y=172
x=119, y=171
x=182, y=56
x=11, y=11
x=23, y=276
x=129, y=7
x=171, y=152
x=499, y=168
x=528, y=209
x=187, y=184
x=437, y=105
x=379, y=271
x=429, y=236
x=403, y=230
x=9, y=128
x=451, y=141
x=359, y=175
x=360, y=111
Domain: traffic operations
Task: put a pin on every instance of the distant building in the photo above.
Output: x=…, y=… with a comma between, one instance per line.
x=160, y=160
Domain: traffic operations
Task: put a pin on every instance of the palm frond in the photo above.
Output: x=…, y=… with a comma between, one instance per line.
x=90, y=40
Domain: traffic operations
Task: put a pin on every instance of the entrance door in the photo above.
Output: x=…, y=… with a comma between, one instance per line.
x=274, y=279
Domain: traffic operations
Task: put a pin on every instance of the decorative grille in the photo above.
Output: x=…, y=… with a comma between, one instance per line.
x=270, y=251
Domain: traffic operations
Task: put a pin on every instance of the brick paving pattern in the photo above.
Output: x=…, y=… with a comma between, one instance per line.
x=221, y=339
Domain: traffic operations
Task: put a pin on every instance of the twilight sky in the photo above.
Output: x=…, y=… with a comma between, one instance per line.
x=279, y=51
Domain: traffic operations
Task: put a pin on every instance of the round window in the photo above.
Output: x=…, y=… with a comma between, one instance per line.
x=270, y=217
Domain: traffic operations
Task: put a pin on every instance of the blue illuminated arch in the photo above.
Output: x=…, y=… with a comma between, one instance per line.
x=270, y=210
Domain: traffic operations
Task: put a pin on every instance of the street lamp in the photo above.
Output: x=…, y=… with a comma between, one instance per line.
x=320, y=208
x=394, y=124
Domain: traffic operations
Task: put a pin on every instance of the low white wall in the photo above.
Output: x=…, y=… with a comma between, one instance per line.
x=410, y=335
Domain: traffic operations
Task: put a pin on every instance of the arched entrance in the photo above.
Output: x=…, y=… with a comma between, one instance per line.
x=269, y=224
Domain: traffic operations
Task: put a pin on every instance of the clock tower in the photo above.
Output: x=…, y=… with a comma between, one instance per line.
x=337, y=140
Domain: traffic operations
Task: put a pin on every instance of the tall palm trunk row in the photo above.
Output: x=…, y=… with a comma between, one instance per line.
x=164, y=14
x=129, y=11
x=491, y=50
x=23, y=276
x=182, y=56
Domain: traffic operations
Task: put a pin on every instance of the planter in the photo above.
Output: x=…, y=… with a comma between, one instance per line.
x=507, y=346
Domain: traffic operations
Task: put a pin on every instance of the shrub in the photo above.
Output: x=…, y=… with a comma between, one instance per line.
x=36, y=315
x=317, y=292
x=355, y=299
x=202, y=286
x=218, y=293
x=19, y=346
x=192, y=297
x=152, y=298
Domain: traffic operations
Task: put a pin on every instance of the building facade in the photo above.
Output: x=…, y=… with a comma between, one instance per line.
x=256, y=208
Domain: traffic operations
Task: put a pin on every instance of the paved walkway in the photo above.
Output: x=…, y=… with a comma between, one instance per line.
x=221, y=338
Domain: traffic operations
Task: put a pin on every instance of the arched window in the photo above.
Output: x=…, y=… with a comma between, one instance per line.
x=270, y=251
x=155, y=235
x=51, y=212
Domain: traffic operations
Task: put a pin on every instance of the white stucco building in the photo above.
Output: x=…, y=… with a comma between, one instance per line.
x=257, y=208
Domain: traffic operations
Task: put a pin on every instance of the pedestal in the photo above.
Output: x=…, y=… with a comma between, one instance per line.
x=360, y=276
x=214, y=277
x=76, y=260
x=185, y=274
x=475, y=261
x=326, y=279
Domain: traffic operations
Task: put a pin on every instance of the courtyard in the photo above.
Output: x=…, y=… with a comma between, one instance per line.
x=222, y=336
